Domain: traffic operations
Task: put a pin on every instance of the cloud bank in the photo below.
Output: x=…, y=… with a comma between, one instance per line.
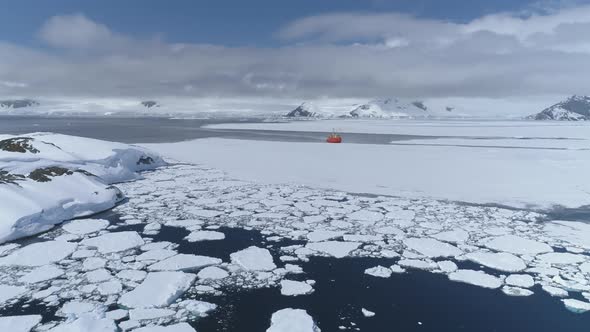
x=360, y=55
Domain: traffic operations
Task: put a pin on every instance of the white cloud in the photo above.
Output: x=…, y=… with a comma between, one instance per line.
x=77, y=31
x=10, y=84
x=334, y=55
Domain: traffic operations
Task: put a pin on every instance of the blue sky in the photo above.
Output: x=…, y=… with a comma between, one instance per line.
x=225, y=22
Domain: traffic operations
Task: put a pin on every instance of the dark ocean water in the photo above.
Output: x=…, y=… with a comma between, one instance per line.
x=413, y=301
x=161, y=130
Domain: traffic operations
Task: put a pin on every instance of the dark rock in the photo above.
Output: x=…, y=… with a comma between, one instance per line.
x=18, y=103
x=304, y=110
x=150, y=103
x=420, y=105
x=45, y=174
x=10, y=178
x=18, y=144
x=145, y=160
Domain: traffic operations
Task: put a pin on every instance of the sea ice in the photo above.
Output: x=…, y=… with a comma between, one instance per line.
x=561, y=258
x=520, y=280
x=117, y=314
x=518, y=245
x=93, y=263
x=447, y=266
x=204, y=236
x=253, y=259
x=155, y=255
x=42, y=273
x=367, y=313
x=19, y=323
x=212, y=272
x=366, y=216
x=416, y=264
x=8, y=292
x=516, y=291
x=323, y=235
x=197, y=308
x=454, y=236
x=133, y=275
x=110, y=287
x=294, y=288
x=85, y=226
x=98, y=275
x=292, y=320
x=143, y=314
x=554, y=291
x=114, y=242
x=576, y=306
x=184, y=262
x=181, y=327
x=40, y=253
x=501, y=261
x=87, y=323
x=75, y=309
x=379, y=271
x=477, y=278
x=432, y=248
x=159, y=289
x=205, y=213
x=334, y=248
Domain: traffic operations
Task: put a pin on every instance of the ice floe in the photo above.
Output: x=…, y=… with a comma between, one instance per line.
x=87, y=323
x=334, y=248
x=159, y=289
x=42, y=273
x=181, y=327
x=212, y=272
x=477, y=278
x=40, y=253
x=294, y=288
x=432, y=248
x=253, y=259
x=85, y=226
x=367, y=313
x=114, y=242
x=501, y=261
x=379, y=271
x=576, y=305
x=205, y=236
x=520, y=280
x=19, y=323
x=292, y=320
x=518, y=245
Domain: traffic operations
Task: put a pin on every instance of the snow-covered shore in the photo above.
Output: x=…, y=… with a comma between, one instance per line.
x=46, y=179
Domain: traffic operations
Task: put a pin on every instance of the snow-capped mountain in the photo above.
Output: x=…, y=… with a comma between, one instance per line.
x=392, y=108
x=575, y=108
x=18, y=103
x=305, y=110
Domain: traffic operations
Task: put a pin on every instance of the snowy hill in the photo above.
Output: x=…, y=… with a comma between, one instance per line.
x=305, y=110
x=18, y=103
x=396, y=108
x=48, y=178
x=575, y=108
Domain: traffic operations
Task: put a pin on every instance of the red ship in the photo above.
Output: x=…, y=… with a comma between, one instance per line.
x=334, y=138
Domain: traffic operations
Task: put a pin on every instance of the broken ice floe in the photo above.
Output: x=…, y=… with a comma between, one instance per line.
x=128, y=269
